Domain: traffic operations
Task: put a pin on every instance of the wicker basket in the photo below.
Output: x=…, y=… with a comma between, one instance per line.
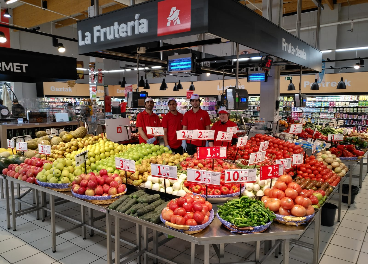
x=293, y=220
x=99, y=199
x=189, y=229
x=244, y=230
x=59, y=187
x=215, y=196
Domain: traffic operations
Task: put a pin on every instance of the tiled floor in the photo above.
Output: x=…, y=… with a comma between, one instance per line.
x=345, y=242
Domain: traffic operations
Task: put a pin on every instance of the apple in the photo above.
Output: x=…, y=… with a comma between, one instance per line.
x=115, y=175
x=93, y=178
x=99, y=190
x=100, y=180
x=77, y=179
x=121, y=188
x=24, y=178
x=113, y=191
x=84, y=183
x=76, y=188
x=86, y=177
x=106, y=188
x=92, y=184
x=108, y=180
x=103, y=172
x=90, y=192
x=31, y=180
x=114, y=184
x=81, y=190
x=5, y=171
x=118, y=180
x=105, y=194
x=16, y=175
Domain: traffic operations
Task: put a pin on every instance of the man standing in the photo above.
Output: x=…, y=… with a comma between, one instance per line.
x=195, y=119
x=172, y=122
x=147, y=119
x=222, y=126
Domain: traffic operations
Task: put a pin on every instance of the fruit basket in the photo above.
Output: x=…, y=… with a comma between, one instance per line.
x=59, y=187
x=189, y=229
x=218, y=198
x=244, y=230
x=99, y=199
x=293, y=220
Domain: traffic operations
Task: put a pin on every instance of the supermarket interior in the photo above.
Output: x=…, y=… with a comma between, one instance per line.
x=167, y=131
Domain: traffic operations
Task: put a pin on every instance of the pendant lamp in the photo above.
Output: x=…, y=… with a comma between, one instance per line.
x=163, y=85
x=291, y=86
x=141, y=82
x=147, y=86
x=123, y=83
x=341, y=84
x=191, y=87
x=175, y=88
x=180, y=86
x=315, y=85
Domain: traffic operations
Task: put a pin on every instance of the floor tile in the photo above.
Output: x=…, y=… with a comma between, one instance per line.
x=363, y=258
x=347, y=232
x=301, y=254
x=38, y=258
x=45, y=243
x=364, y=247
x=89, y=241
x=331, y=260
x=63, y=250
x=353, y=225
x=24, y=228
x=34, y=235
x=323, y=236
x=3, y=261
x=10, y=244
x=4, y=235
x=80, y=257
x=239, y=249
x=356, y=218
x=19, y=253
x=342, y=253
x=99, y=261
x=99, y=249
x=346, y=242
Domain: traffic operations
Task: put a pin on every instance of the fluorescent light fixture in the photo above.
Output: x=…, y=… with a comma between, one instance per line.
x=242, y=59
x=326, y=51
x=82, y=69
x=146, y=68
x=256, y=58
x=128, y=69
x=141, y=69
x=2, y=37
x=357, y=66
x=114, y=71
x=10, y=1
x=357, y=48
x=156, y=67
x=208, y=74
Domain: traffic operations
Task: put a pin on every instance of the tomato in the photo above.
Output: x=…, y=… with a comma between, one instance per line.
x=283, y=211
x=198, y=217
x=273, y=204
x=173, y=205
x=209, y=205
x=298, y=210
x=303, y=201
x=309, y=171
x=287, y=203
x=181, y=201
x=205, y=219
x=311, y=175
x=291, y=193
x=280, y=185
x=204, y=210
x=305, y=175
x=295, y=186
x=265, y=198
x=180, y=220
x=167, y=213
x=197, y=206
x=310, y=210
x=303, y=169
x=180, y=211
x=276, y=193
x=173, y=218
x=191, y=222
x=300, y=173
x=267, y=192
x=189, y=215
x=188, y=207
x=285, y=178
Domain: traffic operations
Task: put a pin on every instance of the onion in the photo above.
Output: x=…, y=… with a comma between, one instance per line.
x=148, y=185
x=335, y=164
x=329, y=167
x=260, y=193
x=338, y=159
x=319, y=159
x=329, y=160
x=181, y=192
x=325, y=163
x=324, y=156
x=337, y=170
x=249, y=186
x=256, y=187
x=328, y=152
x=341, y=174
x=333, y=156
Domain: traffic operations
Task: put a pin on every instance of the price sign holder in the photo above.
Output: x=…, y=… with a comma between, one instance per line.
x=44, y=149
x=264, y=146
x=80, y=159
x=335, y=137
x=296, y=128
x=10, y=143
x=184, y=134
x=211, y=152
x=282, y=163
x=297, y=159
x=269, y=172
x=21, y=146
x=165, y=172
x=203, y=134
x=224, y=136
x=239, y=176
x=242, y=141
x=125, y=164
x=155, y=131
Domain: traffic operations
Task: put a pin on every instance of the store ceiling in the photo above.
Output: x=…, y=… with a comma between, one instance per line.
x=29, y=13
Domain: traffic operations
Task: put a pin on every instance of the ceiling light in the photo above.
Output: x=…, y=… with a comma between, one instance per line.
x=123, y=83
x=326, y=51
x=147, y=86
x=128, y=69
x=141, y=82
x=10, y=1
x=208, y=74
x=61, y=48
x=175, y=88
x=347, y=49
x=291, y=86
x=163, y=85
x=256, y=58
x=6, y=14
x=357, y=66
x=341, y=84
x=156, y=67
x=315, y=85
x=180, y=86
x=242, y=59
x=113, y=71
x=82, y=69
x=146, y=68
x=191, y=87
x=2, y=37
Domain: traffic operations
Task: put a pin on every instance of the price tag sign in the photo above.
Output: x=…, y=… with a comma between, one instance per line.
x=80, y=158
x=21, y=146
x=288, y=165
x=264, y=146
x=314, y=148
x=164, y=171
x=20, y=120
x=224, y=136
x=269, y=172
x=297, y=159
x=239, y=176
x=10, y=143
x=44, y=149
x=252, y=158
x=282, y=164
x=211, y=153
x=155, y=131
x=242, y=141
x=203, y=134
x=296, y=128
x=335, y=137
x=232, y=130
x=195, y=176
x=215, y=177
x=202, y=176
x=54, y=131
x=125, y=164
x=260, y=156
x=184, y=134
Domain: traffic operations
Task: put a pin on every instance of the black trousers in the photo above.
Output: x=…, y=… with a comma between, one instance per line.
x=178, y=150
x=191, y=149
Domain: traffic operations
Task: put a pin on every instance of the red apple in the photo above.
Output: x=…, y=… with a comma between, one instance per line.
x=108, y=180
x=31, y=180
x=90, y=192
x=77, y=179
x=92, y=184
x=113, y=191
x=100, y=180
x=5, y=171
x=115, y=175
x=76, y=188
x=81, y=190
x=16, y=175
x=99, y=190
x=114, y=184
x=121, y=188
x=82, y=176
x=24, y=178
x=118, y=180
x=87, y=177
x=84, y=183
x=93, y=178
x=103, y=172
x=106, y=188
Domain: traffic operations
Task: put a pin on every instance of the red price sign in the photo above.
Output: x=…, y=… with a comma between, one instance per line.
x=155, y=131
x=202, y=176
x=211, y=153
x=164, y=171
x=242, y=141
x=297, y=159
x=125, y=164
x=296, y=128
x=269, y=172
x=240, y=176
x=184, y=134
x=224, y=136
x=44, y=149
x=203, y=134
x=10, y=143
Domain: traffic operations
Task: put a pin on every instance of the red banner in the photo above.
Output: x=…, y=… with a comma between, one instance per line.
x=5, y=20
x=211, y=153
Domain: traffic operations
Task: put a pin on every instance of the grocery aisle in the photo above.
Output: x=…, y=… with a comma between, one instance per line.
x=345, y=242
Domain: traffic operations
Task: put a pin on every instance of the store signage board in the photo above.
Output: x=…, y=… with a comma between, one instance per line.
x=159, y=20
x=239, y=176
x=269, y=172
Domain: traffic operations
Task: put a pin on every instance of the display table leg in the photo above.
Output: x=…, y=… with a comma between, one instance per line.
x=267, y=245
x=53, y=226
x=192, y=253
x=317, y=228
x=90, y=221
x=258, y=250
x=83, y=220
x=13, y=205
x=155, y=245
x=286, y=251
x=139, y=244
x=117, y=240
x=206, y=254
x=108, y=238
x=361, y=172
x=38, y=205
x=350, y=182
x=18, y=196
x=2, y=188
x=43, y=205
x=145, y=242
x=7, y=199
x=340, y=201
x=222, y=250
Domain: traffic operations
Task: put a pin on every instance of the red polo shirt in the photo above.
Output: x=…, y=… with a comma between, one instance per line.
x=218, y=126
x=196, y=121
x=145, y=120
x=173, y=123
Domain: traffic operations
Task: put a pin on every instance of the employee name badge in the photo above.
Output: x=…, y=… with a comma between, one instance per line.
x=184, y=134
x=10, y=143
x=155, y=131
x=242, y=141
x=232, y=130
x=224, y=136
x=203, y=134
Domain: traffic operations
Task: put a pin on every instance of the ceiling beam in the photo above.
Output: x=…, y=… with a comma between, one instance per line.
x=356, y=2
x=292, y=7
x=31, y=14
x=329, y=3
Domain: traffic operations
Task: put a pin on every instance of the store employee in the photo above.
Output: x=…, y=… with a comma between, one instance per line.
x=222, y=126
x=172, y=122
x=195, y=119
x=147, y=119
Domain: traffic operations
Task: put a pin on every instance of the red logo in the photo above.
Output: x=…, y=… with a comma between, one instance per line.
x=174, y=17
x=119, y=130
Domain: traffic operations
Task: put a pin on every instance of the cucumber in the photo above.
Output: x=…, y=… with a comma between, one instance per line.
x=149, y=199
x=115, y=204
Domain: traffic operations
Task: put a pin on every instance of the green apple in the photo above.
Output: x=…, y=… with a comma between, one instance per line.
x=54, y=180
x=109, y=169
x=65, y=173
x=47, y=166
x=93, y=166
x=77, y=172
x=71, y=169
x=71, y=177
x=69, y=162
x=64, y=180
x=60, y=166
x=43, y=178
x=318, y=195
x=48, y=177
x=56, y=172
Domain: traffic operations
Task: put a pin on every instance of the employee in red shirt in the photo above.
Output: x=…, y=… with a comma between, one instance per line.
x=147, y=119
x=222, y=126
x=123, y=108
x=172, y=122
x=195, y=119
